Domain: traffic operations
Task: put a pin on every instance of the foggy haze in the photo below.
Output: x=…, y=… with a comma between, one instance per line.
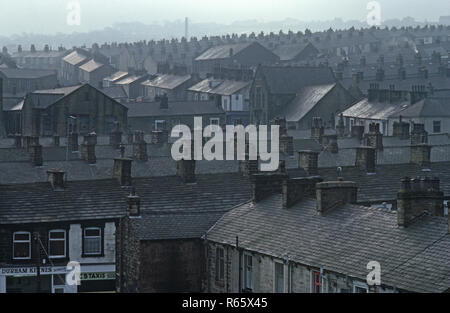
x=50, y=16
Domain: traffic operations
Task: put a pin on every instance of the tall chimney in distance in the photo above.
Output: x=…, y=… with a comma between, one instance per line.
x=186, y=28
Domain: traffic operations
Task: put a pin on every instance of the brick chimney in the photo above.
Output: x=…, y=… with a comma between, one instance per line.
x=366, y=159
x=18, y=141
x=56, y=140
x=374, y=138
x=73, y=141
x=186, y=171
x=36, y=155
x=421, y=154
x=134, y=204
x=164, y=102
x=56, y=178
x=340, y=128
x=357, y=131
x=88, y=148
x=248, y=167
x=331, y=194
x=296, y=189
x=418, y=196
x=122, y=169
x=266, y=184
x=115, y=137
x=401, y=73
x=419, y=135
x=401, y=129
x=317, y=129
x=140, y=147
x=379, y=76
x=308, y=160
x=417, y=93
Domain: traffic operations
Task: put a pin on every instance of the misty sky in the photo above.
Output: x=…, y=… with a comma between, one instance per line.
x=49, y=16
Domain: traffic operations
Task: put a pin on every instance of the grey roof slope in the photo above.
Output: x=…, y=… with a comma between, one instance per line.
x=427, y=108
x=307, y=98
x=344, y=241
x=224, y=88
x=376, y=110
x=291, y=51
x=223, y=51
x=26, y=73
x=38, y=203
x=167, y=81
x=175, y=210
x=290, y=79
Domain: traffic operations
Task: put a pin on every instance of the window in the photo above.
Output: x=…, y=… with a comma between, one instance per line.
x=248, y=272
x=316, y=282
x=57, y=244
x=220, y=264
x=92, y=241
x=446, y=207
x=436, y=127
x=21, y=245
x=214, y=121
x=279, y=277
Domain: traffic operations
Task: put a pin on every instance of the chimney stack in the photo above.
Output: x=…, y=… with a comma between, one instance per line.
x=140, y=147
x=73, y=142
x=18, y=141
x=331, y=194
x=88, y=148
x=401, y=129
x=374, y=138
x=340, y=128
x=317, y=129
x=36, y=154
x=122, y=169
x=418, y=196
x=419, y=135
x=421, y=154
x=56, y=140
x=366, y=159
x=266, y=184
x=134, y=204
x=56, y=179
x=296, y=189
x=115, y=138
x=309, y=161
x=186, y=171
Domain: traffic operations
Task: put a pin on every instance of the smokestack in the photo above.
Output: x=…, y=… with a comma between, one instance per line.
x=2, y=126
x=186, y=28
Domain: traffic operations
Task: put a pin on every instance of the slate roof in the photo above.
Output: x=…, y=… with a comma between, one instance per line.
x=91, y=66
x=307, y=98
x=84, y=200
x=116, y=76
x=175, y=210
x=223, y=87
x=167, y=81
x=343, y=241
x=223, y=51
x=75, y=58
x=290, y=52
x=129, y=80
x=427, y=108
x=20, y=73
x=290, y=79
x=366, y=109
x=115, y=92
x=146, y=109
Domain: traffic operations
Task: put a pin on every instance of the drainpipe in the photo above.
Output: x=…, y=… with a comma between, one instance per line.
x=240, y=269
